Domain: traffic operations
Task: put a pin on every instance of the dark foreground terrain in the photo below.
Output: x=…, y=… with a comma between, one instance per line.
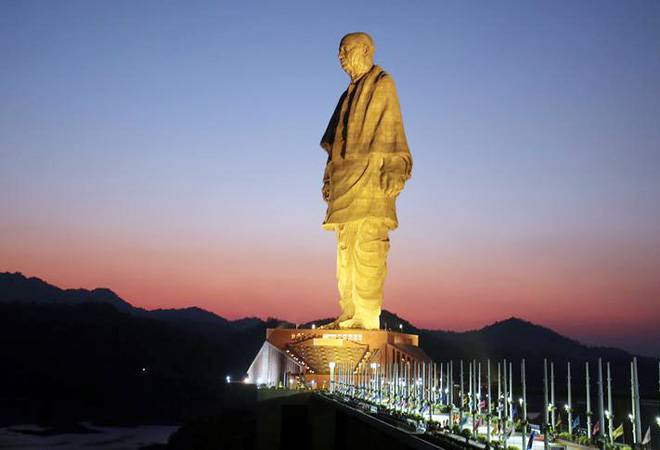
x=76, y=355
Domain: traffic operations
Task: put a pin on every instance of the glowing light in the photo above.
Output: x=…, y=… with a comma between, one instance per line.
x=246, y=380
x=228, y=379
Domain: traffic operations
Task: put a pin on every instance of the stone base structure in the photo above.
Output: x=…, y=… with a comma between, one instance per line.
x=313, y=357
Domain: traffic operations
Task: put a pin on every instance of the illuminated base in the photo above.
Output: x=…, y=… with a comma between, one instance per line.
x=292, y=357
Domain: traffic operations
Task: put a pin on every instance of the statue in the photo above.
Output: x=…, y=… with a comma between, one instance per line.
x=368, y=164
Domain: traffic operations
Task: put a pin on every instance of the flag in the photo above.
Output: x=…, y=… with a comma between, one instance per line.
x=515, y=412
x=618, y=432
x=647, y=436
x=576, y=422
x=596, y=428
x=464, y=421
x=482, y=404
x=530, y=442
x=476, y=425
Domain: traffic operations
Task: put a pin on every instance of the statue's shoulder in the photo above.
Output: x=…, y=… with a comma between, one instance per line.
x=383, y=80
x=382, y=75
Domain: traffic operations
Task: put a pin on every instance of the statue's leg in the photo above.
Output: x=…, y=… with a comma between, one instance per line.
x=371, y=245
x=345, y=242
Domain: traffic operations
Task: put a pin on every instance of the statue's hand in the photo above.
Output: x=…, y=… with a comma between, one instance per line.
x=392, y=185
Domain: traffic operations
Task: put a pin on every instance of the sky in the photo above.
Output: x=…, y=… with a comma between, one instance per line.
x=170, y=151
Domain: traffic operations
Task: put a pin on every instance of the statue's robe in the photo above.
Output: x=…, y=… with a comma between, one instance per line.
x=367, y=152
x=366, y=144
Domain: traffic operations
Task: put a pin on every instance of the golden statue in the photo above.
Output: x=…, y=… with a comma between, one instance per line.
x=368, y=164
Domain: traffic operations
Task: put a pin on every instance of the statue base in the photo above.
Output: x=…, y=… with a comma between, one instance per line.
x=309, y=357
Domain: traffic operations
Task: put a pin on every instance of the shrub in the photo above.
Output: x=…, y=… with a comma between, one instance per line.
x=566, y=435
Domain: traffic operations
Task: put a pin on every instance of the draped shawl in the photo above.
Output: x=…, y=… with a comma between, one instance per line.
x=366, y=145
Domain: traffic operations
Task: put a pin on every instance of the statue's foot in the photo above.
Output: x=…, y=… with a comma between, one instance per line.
x=351, y=324
x=336, y=324
x=360, y=324
x=330, y=326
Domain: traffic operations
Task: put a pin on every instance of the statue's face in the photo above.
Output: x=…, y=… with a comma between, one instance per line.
x=354, y=56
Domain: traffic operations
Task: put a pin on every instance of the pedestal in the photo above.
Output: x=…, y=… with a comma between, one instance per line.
x=293, y=357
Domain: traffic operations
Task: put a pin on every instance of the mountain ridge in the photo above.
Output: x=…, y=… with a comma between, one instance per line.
x=15, y=286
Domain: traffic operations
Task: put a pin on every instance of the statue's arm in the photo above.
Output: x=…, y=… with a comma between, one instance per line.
x=395, y=171
x=396, y=165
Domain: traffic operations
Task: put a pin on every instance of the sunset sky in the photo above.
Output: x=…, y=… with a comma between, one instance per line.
x=169, y=151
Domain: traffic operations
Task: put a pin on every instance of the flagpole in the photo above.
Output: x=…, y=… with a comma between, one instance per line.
x=610, y=406
x=451, y=384
x=632, y=400
x=499, y=398
x=470, y=392
x=479, y=389
x=545, y=403
x=441, y=379
x=511, y=393
x=504, y=405
x=506, y=393
x=601, y=406
x=462, y=394
x=588, y=401
x=475, y=391
x=434, y=397
x=552, y=394
x=524, y=402
x=638, y=412
x=424, y=381
x=569, y=405
x=488, y=394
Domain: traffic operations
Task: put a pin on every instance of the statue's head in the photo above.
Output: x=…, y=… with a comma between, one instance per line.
x=356, y=54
